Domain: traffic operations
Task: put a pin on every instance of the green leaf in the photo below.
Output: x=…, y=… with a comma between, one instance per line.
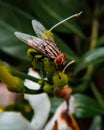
x=51, y=13
x=81, y=87
x=97, y=123
x=9, y=23
x=87, y=107
x=101, y=40
x=92, y=57
x=55, y=102
x=9, y=43
x=66, y=49
x=13, y=121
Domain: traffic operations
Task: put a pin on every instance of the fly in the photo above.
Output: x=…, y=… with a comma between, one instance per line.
x=45, y=43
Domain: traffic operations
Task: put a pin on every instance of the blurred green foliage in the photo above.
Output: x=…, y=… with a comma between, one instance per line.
x=81, y=38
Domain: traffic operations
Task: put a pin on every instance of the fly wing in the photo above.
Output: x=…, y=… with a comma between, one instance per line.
x=38, y=28
x=24, y=37
x=30, y=40
x=46, y=47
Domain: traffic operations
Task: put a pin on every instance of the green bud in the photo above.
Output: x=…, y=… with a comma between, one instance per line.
x=36, y=57
x=49, y=68
x=18, y=87
x=36, y=62
x=47, y=88
x=13, y=83
x=40, y=82
x=60, y=79
x=31, y=52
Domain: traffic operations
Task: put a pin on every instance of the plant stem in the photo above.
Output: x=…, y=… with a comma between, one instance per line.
x=94, y=35
x=23, y=75
x=95, y=26
x=29, y=77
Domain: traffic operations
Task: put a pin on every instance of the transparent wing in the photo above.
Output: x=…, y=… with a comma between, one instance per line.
x=24, y=37
x=38, y=28
x=30, y=40
x=46, y=47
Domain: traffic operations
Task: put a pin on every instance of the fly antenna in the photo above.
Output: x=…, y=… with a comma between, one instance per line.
x=71, y=62
x=62, y=21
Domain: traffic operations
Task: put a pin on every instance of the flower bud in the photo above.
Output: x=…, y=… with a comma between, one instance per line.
x=49, y=68
x=60, y=79
x=13, y=83
x=40, y=81
x=47, y=88
x=31, y=52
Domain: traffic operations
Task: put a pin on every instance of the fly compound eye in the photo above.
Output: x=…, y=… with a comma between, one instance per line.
x=60, y=59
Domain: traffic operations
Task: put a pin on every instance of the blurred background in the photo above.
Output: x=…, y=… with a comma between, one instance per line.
x=79, y=38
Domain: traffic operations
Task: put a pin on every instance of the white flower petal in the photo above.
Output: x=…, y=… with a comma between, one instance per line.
x=72, y=105
x=41, y=106
x=30, y=84
x=56, y=117
x=14, y=121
